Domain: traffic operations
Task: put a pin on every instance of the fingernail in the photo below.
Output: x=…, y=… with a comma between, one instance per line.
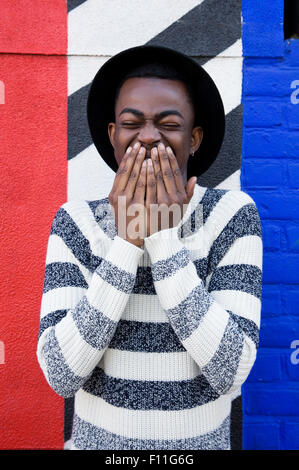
x=149, y=162
x=136, y=145
x=129, y=149
x=161, y=146
x=155, y=151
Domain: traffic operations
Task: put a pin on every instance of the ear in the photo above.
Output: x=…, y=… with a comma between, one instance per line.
x=111, y=132
x=196, y=138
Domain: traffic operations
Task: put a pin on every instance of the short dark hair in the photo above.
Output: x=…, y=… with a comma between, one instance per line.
x=164, y=71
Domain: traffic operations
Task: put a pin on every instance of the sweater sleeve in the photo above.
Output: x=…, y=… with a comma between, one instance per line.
x=80, y=310
x=217, y=319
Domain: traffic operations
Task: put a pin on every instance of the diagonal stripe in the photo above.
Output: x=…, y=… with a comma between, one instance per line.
x=63, y=380
x=221, y=369
x=220, y=18
x=85, y=313
x=186, y=317
x=231, y=182
x=64, y=227
x=118, y=278
x=224, y=71
x=51, y=320
x=71, y=4
x=59, y=299
x=241, y=303
x=243, y=277
x=230, y=153
x=248, y=326
x=63, y=275
x=78, y=131
x=245, y=222
x=82, y=69
x=229, y=159
x=165, y=268
x=210, y=200
x=107, y=27
x=201, y=266
x=243, y=251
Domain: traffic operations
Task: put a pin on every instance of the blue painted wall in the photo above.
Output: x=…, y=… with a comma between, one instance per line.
x=270, y=174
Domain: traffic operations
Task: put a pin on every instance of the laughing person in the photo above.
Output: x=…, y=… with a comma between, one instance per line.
x=153, y=334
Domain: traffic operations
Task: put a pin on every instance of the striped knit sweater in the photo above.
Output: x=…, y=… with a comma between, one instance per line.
x=153, y=342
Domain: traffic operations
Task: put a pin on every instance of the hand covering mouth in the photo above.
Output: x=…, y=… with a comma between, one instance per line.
x=148, y=153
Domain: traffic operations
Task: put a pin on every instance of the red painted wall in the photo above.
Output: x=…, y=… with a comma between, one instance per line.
x=33, y=153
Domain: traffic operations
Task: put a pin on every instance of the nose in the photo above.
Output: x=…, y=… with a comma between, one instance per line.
x=149, y=134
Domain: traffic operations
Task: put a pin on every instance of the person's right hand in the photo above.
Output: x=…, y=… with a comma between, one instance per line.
x=130, y=181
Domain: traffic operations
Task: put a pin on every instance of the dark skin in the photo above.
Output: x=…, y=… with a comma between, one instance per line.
x=153, y=136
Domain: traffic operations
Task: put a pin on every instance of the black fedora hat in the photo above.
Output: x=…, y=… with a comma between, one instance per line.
x=208, y=104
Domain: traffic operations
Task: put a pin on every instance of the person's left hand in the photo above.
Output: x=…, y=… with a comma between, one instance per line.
x=165, y=186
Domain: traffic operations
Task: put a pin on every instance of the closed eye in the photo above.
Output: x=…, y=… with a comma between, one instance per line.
x=130, y=124
x=170, y=125
x=164, y=125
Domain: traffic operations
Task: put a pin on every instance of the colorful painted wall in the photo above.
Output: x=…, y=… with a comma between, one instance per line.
x=270, y=174
x=33, y=153
x=49, y=55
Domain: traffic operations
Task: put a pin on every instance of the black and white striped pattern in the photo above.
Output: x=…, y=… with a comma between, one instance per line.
x=207, y=30
x=161, y=365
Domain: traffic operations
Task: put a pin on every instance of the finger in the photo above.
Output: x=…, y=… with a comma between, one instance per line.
x=178, y=177
x=151, y=184
x=135, y=173
x=166, y=169
x=151, y=199
x=160, y=187
x=139, y=195
x=125, y=167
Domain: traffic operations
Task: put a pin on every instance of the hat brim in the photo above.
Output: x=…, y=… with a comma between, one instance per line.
x=101, y=98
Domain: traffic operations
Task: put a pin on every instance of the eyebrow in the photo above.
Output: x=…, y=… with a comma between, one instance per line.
x=138, y=113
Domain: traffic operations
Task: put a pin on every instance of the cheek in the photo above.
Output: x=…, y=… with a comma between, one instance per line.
x=119, y=154
x=123, y=139
x=119, y=144
x=181, y=150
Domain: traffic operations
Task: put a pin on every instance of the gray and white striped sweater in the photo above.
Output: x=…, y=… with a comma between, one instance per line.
x=153, y=342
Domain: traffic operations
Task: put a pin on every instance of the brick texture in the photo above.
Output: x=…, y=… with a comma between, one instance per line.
x=270, y=174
